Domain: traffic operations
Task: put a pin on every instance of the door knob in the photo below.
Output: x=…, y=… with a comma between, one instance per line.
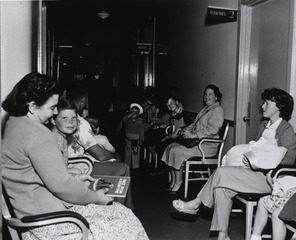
x=246, y=119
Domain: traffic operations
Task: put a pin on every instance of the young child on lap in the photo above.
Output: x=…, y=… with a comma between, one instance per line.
x=64, y=125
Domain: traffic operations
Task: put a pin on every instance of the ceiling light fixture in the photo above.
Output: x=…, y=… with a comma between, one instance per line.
x=103, y=14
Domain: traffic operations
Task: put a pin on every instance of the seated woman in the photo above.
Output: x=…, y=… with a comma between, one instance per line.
x=164, y=130
x=282, y=190
x=226, y=182
x=206, y=124
x=36, y=177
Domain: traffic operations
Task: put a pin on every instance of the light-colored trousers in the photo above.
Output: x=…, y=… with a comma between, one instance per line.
x=223, y=185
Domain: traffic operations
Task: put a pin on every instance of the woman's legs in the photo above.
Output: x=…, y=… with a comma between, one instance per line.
x=223, y=236
x=261, y=219
x=178, y=178
x=217, y=193
x=172, y=178
x=222, y=210
x=278, y=226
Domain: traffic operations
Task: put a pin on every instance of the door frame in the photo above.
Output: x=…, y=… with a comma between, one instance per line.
x=243, y=66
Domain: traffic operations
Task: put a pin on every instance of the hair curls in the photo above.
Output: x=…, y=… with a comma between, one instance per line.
x=282, y=99
x=216, y=90
x=34, y=87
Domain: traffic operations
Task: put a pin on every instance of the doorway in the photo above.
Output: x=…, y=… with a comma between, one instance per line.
x=264, y=59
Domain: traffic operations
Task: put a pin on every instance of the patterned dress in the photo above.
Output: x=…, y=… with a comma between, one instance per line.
x=114, y=222
x=283, y=189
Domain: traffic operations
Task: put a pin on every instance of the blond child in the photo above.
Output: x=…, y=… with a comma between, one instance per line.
x=101, y=139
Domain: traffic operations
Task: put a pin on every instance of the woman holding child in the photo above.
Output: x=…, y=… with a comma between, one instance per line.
x=206, y=124
x=35, y=175
x=226, y=182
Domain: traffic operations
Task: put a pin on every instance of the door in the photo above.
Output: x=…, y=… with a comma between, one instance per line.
x=264, y=59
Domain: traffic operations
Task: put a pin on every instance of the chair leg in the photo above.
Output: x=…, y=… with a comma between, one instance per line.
x=249, y=219
x=145, y=153
x=209, y=172
x=150, y=157
x=186, y=179
x=156, y=159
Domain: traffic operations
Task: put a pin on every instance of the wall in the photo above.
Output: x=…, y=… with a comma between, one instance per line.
x=205, y=54
x=202, y=54
x=15, y=46
x=292, y=69
x=16, y=43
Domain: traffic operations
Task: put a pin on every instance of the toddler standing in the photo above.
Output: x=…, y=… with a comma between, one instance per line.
x=134, y=135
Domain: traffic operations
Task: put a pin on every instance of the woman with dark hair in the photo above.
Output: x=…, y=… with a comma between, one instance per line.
x=206, y=124
x=36, y=178
x=226, y=182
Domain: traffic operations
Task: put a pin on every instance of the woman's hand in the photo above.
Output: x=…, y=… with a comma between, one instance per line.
x=246, y=162
x=85, y=178
x=102, y=198
x=175, y=134
x=178, y=131
x=187, y=134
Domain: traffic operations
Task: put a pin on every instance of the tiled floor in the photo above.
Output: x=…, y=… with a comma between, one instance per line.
x=153, y=207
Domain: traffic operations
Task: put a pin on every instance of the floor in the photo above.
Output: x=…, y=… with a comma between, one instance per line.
x=154, y=209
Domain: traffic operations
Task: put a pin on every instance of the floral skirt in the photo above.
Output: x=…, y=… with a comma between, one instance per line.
x=114, y=222
x=273, y=201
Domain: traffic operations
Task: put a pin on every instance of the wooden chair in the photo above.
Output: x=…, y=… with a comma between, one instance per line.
x=250, y=200
x=204, y=160
x=17, y=226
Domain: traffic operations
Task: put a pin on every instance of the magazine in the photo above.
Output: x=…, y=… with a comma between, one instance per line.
x=117, y=185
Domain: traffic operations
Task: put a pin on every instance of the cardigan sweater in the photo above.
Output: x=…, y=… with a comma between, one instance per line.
x=285, y=137
x=208, y=122
x=34, y=173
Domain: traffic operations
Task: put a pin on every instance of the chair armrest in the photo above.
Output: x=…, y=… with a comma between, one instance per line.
x=55, y=216
x=280, y=170
x=286, y=170
x=211, y=140
x=40, y=220
x=82, y=159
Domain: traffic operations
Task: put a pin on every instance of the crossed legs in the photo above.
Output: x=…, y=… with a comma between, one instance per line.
x=219, y=191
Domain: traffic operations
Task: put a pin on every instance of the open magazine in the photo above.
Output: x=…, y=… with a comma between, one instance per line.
x=117, y=185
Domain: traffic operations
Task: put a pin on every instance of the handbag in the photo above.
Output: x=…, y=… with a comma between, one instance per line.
x=187, y=142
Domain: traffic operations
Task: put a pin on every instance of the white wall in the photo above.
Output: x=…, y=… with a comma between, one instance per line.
x=292, y=70
x=16, y=43
x=208, y=56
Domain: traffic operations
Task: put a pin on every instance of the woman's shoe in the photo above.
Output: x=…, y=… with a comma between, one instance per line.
x=172, y=191
x=179, y=206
